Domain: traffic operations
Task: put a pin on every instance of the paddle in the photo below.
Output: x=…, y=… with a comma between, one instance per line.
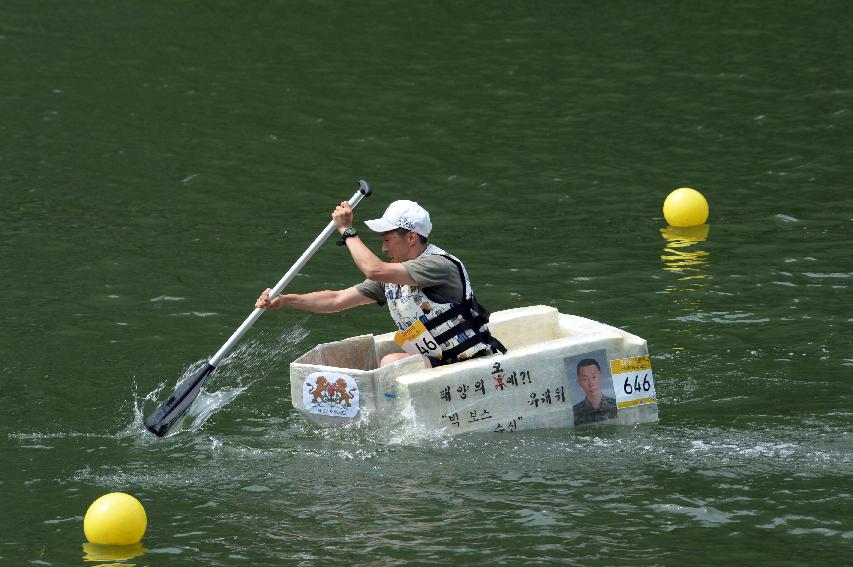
x=172, y=409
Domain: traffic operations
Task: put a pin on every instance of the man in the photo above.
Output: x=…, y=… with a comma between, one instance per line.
x=427, y=290
x=595, y=406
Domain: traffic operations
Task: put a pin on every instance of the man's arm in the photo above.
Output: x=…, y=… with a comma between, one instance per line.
x=372, y=267
x=327, y=301
x=375, y=269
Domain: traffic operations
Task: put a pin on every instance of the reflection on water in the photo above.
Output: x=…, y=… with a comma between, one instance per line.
x=682, y=255
x=93, y=552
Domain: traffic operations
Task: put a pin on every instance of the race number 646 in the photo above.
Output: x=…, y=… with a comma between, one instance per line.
x=630, y=387
x=633, y=381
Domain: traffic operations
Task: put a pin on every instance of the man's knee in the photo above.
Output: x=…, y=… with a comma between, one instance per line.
x=395, y=356
x=392, y=358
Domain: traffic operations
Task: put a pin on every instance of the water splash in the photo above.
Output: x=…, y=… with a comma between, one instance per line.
x=250, y=362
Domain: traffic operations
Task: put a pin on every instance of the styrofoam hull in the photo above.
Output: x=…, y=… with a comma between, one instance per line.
x=533, y=385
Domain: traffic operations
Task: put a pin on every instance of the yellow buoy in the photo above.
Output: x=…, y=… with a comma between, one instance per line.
x=685, y=207
x=115, y=519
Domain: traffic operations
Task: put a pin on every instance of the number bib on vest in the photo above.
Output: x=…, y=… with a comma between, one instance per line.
x=417, y=340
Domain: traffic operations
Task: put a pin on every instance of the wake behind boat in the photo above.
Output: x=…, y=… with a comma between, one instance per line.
x=560, y=371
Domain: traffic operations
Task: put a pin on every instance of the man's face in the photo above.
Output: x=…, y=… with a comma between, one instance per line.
x=395, y=246
x=589, y=379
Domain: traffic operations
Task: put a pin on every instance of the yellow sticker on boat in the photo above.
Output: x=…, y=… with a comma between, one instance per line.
x=630, y=364
x=633, y=381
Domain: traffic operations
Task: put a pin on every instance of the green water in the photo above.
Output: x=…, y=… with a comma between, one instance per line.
x=163, y=162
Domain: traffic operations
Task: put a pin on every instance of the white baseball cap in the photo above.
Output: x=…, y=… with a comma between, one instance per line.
x=402, y=214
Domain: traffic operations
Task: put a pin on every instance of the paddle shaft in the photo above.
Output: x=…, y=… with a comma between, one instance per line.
x=179, y=402
x=286, y=279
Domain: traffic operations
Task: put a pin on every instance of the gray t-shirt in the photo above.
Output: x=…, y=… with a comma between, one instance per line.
x=437, y=276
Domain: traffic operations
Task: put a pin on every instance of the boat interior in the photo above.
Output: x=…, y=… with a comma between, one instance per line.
x=518, y=328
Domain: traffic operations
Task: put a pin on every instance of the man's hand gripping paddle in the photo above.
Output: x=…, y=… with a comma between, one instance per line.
x=172, y=409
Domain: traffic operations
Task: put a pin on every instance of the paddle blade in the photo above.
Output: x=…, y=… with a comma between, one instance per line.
x=178, y=403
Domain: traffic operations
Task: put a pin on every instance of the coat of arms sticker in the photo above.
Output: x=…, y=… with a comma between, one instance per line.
x=330, y=393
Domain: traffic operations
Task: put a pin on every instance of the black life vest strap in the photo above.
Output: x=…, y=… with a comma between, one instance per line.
x=484, y=315
x=463, y=310
x=496, y=345
x=474, y=317
x=440, y=319
x=477, y=318
x=482, y=311
x=473, y=324
x=452, y=353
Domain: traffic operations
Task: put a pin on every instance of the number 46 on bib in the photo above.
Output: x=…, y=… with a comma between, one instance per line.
x=417, y=340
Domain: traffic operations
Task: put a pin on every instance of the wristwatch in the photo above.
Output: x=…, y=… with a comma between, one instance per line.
x=346, y=234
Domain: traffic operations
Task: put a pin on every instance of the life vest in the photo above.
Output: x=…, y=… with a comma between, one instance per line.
x=457, y=331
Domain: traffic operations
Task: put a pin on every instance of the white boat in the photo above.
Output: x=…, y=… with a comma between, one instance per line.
x=534, y=385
